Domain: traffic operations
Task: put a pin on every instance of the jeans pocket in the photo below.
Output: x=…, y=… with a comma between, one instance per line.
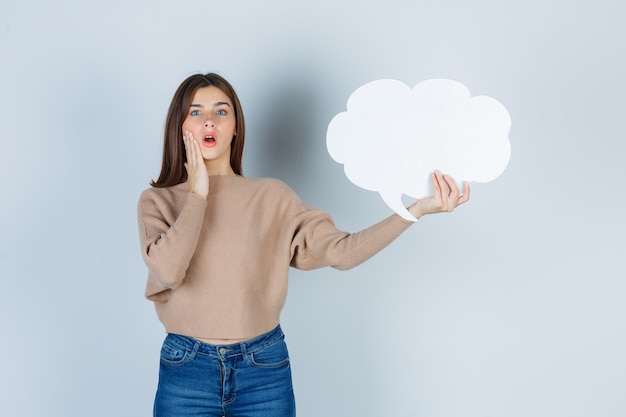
x=271, y=356
x=172, y=354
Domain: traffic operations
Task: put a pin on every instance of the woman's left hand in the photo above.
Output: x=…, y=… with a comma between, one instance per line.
x=446, y=196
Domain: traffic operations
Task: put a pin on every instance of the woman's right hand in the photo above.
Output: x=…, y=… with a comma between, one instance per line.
x=197, y=174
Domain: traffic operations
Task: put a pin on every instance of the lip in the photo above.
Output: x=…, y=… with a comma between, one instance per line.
x=209, y=144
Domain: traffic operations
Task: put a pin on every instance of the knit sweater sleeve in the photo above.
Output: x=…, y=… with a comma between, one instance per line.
x=317, y=242
x=168, y=237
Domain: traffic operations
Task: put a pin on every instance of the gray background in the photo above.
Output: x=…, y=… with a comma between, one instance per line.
x=511, y=306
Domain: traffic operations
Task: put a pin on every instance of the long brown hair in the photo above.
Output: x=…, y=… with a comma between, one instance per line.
x=174, y=156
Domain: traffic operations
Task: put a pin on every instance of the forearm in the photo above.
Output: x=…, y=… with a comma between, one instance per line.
x=167, y=251
x=358, y=247
x=322, y=244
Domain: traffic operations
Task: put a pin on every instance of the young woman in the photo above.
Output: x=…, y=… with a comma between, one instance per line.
x=218, y=247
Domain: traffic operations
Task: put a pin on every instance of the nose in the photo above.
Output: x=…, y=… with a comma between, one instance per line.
x=209, y=122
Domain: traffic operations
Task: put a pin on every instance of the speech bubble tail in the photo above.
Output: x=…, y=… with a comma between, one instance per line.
x=394, y=201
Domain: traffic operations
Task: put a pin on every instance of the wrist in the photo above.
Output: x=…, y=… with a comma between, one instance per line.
x=415, y=211
x=201, y=191
x=201, y=194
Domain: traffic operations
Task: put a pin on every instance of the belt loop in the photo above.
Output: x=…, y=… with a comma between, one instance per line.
x=195, y=349
x=244, y=351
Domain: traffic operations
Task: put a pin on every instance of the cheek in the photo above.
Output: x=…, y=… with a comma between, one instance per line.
x=231, y=126
x=185, y=126
x=191, y=127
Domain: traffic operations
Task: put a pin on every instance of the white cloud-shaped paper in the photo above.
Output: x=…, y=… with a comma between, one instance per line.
x=393, y=137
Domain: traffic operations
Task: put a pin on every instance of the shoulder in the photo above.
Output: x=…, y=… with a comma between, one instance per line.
x=163, y=195
x=277, y=185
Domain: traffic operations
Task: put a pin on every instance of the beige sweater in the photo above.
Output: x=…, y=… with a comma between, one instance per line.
x=218, y=267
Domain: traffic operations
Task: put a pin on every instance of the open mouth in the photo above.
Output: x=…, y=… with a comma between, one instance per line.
x=209, y=138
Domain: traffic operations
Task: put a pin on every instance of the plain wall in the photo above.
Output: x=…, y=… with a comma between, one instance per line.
x=511, y=306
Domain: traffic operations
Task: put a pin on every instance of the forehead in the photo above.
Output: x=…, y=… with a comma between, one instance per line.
x=208, y=96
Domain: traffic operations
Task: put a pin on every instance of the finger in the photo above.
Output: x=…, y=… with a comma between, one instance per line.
x=451, y=184
x=187, y=145
x=443, y=184
x=193, y=154
x=448, y=200
x=436, y=202
x=196, y=151
x=466, y=194
x=436, y=186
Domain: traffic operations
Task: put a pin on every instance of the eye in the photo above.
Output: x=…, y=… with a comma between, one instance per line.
x=221, y=112
x=195, y=113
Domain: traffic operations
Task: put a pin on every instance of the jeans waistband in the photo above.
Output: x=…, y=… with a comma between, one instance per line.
x=227, y=350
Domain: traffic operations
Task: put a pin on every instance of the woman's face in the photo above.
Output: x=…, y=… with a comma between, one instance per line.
x=211, y=121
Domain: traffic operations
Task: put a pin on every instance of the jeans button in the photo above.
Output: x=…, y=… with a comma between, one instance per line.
x=222, y=351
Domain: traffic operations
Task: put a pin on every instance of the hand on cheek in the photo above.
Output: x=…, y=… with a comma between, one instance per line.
x=197, y=174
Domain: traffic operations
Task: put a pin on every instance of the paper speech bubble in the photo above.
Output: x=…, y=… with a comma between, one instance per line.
x=392, y=137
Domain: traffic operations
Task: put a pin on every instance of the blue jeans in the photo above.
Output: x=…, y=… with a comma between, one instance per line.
x=248, y=379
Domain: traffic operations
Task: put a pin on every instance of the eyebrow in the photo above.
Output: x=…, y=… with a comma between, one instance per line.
x=219, y=103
